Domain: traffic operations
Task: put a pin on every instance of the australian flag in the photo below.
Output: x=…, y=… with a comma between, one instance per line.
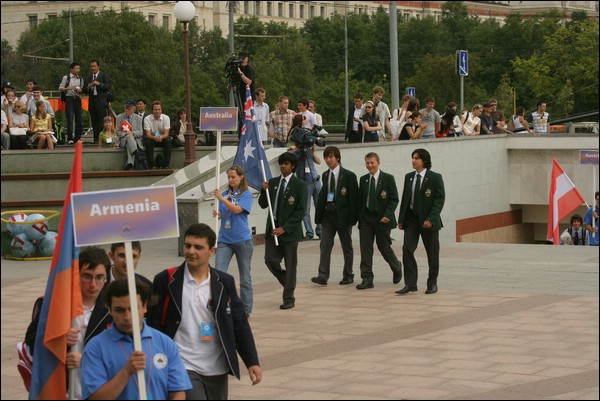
x=250, y=153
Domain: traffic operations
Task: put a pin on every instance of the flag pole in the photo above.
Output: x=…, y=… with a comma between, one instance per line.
x=135, y=319
x=73, y=371
x=262, y=165
x=217, y=179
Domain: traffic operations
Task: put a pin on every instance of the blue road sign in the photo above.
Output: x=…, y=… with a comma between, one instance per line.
x=463, y=63
x=410, y=91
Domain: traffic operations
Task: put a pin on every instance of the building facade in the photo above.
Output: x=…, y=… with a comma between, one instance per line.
x=18, y=16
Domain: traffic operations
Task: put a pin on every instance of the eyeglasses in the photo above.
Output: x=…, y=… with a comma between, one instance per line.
x=368, y=107
x=88, y=278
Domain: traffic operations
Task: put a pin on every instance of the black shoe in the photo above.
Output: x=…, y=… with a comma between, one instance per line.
x=319, y=280
x=346, y=281
x=307, y=237
x=432, y=289
x=397, y=277
x=364, y=285
x=128, y=166
x=287, y=305
x=406, y=290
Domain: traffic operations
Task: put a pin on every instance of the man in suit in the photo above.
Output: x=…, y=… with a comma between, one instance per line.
x=379, y=199
x=337, y=212
x=131, y=133
x=97, y=85
x=354, y=128
x=422, y=202
x=288, y=199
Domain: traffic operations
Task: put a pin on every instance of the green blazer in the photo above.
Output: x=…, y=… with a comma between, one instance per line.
x=346, y=196
x=292, y=209
x=387, y=197
x=431, y=199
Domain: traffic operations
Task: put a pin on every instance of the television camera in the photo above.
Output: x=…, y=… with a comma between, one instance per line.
x=231, y=69
x=304, y=138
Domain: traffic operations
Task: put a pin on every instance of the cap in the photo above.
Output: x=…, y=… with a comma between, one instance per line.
x=7, y=85
x=130, y=103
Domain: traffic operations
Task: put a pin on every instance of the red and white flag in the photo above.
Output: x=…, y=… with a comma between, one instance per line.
x=564, y=198
x=126, y=127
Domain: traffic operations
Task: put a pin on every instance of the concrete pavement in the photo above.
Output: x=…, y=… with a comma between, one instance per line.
x=509, y=322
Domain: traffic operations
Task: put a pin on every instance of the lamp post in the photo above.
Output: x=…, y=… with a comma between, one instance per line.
x=184, y=12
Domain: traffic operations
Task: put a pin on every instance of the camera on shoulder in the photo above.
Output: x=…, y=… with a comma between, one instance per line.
x=304, y=138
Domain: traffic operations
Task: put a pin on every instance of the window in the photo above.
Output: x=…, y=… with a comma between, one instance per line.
x=152, y=19
x=246, y=8
x=406, y=17
x=311, y=12
x=51, y=16
x=302, y=11
x=269, y=8
x=323, y=12
x=280, y=9
x=257, y=8
x=166, y=22
x=291, y=11
x=33, y=21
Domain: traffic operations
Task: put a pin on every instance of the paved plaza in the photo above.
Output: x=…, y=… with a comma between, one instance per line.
x=509, y=322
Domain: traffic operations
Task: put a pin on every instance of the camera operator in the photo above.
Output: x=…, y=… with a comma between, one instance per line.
x=247, y=76
x=304, y=148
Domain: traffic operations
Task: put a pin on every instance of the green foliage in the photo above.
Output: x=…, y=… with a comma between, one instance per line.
x=537, y=58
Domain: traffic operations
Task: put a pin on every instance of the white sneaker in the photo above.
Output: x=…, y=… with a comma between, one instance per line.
x=71, y=142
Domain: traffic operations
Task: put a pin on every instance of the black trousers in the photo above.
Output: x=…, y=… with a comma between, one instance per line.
x=274, y=254
x=329, y=227
x=431, y=241
x=372, y=230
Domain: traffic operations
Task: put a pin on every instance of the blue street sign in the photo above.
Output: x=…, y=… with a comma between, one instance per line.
x=463, y=63
x=410, y=91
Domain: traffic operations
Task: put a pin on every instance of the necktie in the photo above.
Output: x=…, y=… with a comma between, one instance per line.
x=93, y=79
x=129, y=119
x=331, y=182
x=372, y=204
x=417, y=188
x=280, y=197
x=576, y=238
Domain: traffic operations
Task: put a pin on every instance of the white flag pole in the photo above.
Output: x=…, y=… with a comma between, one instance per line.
x=217, y=179
x=262, y=165
x=135, y=319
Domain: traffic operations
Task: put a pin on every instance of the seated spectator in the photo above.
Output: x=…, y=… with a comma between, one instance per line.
x=156, y=131
x=413, y=129
x=37, y=96
x=471, y=122
x=40, y=127
x=18, y=123
x=8, y=103
x=108, y=138
x=576, y=234
x=177, y=131
x=447, y=127
x=5, y=135
x=130, y=132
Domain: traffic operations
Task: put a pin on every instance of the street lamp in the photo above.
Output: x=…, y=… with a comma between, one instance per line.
x=184, y=12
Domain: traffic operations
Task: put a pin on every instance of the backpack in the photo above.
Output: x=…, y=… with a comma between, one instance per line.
x=139, y=160
x=165, y=307
x=63, y=94
x=25, y=364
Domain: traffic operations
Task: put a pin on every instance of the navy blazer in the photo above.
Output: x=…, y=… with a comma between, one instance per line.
x=431, y=199
x=229, y=313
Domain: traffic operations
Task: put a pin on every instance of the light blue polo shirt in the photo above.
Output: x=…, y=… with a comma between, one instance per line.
x=107, y=353
x=234, y=227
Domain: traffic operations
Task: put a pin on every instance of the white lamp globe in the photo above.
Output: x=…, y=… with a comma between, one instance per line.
x=184, y=11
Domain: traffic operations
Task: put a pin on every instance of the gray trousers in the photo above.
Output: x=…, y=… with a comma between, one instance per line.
x=207, y=387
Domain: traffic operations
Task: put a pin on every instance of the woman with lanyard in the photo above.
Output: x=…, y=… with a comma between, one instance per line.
x=234, y=235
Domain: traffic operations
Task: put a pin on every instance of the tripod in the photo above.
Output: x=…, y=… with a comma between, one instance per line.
x=234, y=98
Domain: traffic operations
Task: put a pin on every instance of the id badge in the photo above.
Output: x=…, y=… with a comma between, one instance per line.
x=227, y=223
x=330, y=196
x=206, y=331
x=307, y=169
x=259, y=122
x=108, y=140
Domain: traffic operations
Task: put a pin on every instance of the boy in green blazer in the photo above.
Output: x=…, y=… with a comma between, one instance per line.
x=379, y=199
x=288, y=200
x=422, y=202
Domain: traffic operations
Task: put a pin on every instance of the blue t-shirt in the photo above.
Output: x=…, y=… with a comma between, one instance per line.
x=234, y=227
x=587, y=219
x=106, y=354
